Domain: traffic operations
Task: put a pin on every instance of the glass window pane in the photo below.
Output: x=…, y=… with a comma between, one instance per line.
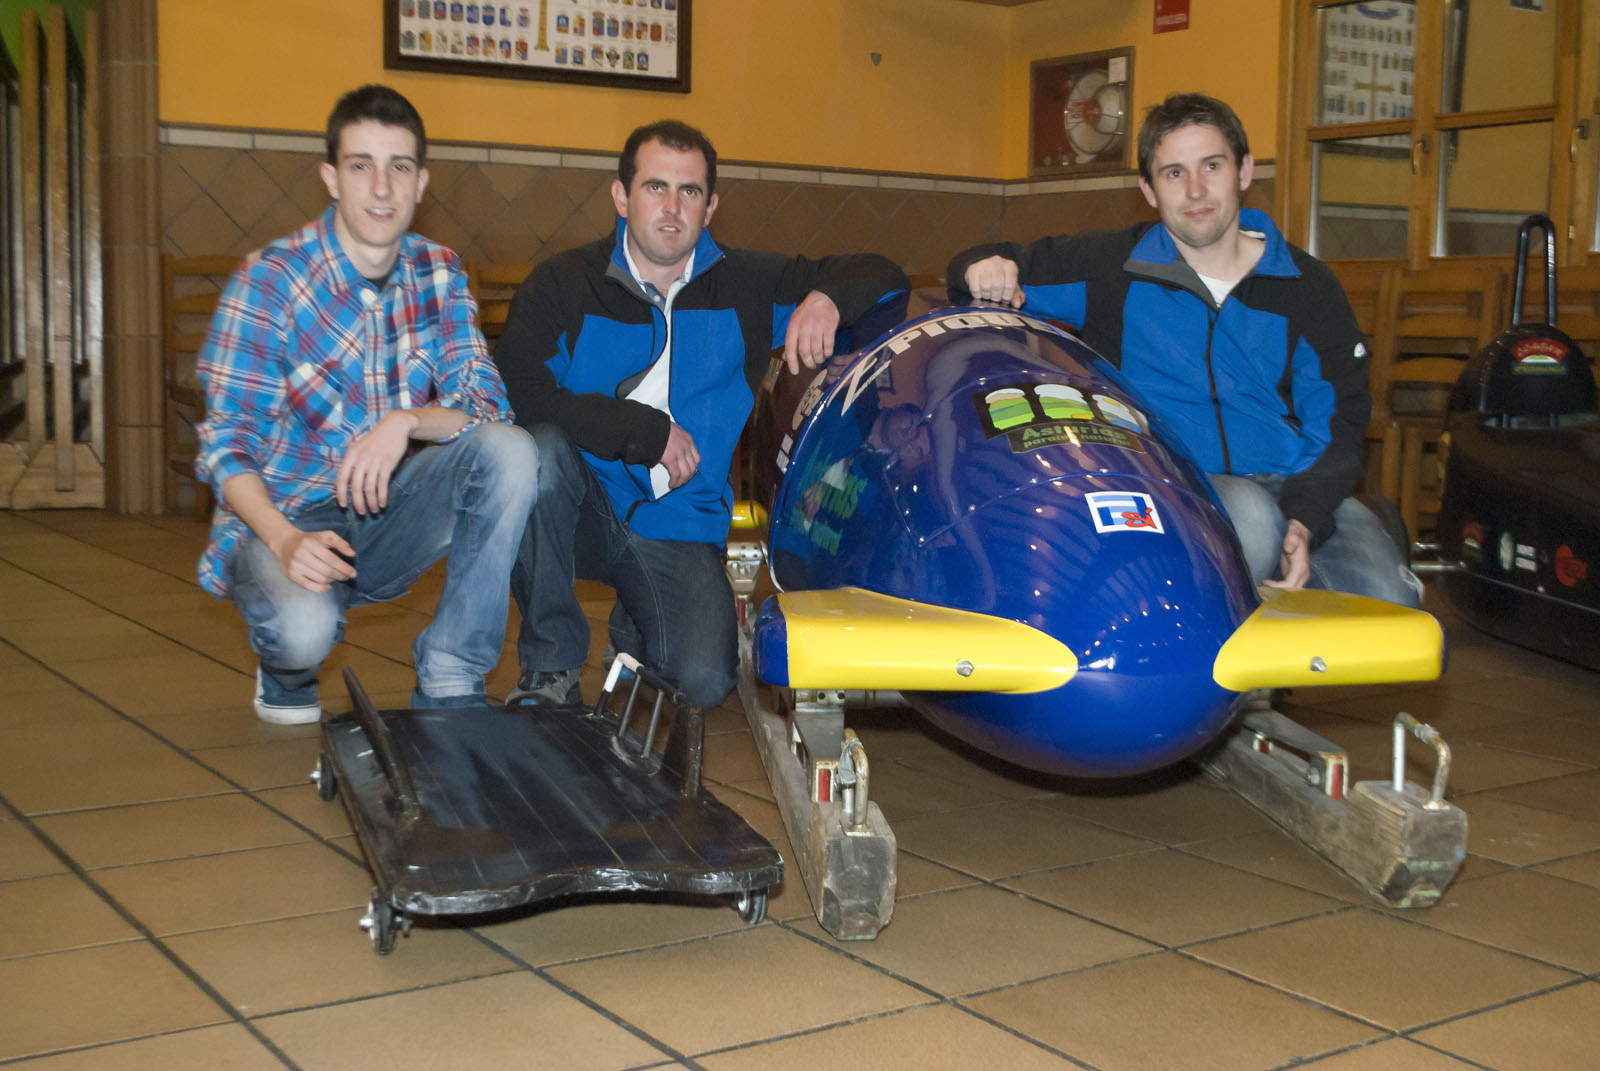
x=13, y=293
x=1594, y=236
x=1489, y=180
x=1499, y=55
x=1365, y=61
x=1359, y=194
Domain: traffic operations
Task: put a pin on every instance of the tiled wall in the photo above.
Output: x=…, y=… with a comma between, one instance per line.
x=233, y=191
x=504, y=205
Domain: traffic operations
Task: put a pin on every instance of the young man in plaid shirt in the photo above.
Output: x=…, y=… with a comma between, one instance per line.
x=333, y=352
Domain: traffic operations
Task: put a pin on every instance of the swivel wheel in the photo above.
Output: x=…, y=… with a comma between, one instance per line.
x=751, y=905
x=327, y=783
x=383, y=923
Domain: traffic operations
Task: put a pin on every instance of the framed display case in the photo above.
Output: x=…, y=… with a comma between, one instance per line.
x=1080, y=113
x=1367, y=57
x=630, y=44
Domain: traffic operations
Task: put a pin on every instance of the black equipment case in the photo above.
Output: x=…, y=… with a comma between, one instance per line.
x=1519, y=519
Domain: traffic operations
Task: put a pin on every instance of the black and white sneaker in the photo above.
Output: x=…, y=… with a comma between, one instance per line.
x=546, y=688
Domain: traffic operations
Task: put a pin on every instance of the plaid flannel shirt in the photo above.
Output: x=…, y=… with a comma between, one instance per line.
x=304, y=355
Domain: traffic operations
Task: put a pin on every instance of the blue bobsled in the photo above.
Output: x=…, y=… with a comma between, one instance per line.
x=977, y=511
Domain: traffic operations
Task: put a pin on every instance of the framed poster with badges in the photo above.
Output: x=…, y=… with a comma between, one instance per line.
x=1367, y=60
x=629, y=44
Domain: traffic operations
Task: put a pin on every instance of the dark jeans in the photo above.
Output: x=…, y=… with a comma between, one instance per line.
x=674, y=606
x=1359, y=557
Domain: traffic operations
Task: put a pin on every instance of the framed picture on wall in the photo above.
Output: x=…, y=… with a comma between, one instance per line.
x=1367, y=56
x=627, y=44
x=1079, y=112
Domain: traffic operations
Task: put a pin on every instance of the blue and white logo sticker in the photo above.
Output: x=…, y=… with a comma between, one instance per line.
x=1123, y=511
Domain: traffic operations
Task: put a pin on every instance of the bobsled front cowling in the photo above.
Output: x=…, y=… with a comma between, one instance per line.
x=987, y=461
x=1144, y=610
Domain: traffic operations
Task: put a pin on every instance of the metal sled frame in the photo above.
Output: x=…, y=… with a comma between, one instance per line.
x=474, y=811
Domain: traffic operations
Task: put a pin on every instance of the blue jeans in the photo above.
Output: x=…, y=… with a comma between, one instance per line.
x=469, y=497
x=1360, y=557
x=674, y=606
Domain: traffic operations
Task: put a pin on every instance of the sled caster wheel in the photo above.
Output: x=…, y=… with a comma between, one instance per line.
x=383, y=923
x=751, y=905
x=323, y=777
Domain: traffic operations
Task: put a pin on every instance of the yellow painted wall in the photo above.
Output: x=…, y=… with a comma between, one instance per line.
x=783, y=81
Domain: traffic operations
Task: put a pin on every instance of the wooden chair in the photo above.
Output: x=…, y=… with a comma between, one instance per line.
x=190, y=289
x=1430, y=322
x=1365, y=284
x=493, y=285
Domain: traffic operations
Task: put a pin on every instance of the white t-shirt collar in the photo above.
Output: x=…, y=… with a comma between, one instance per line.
x=645, y=284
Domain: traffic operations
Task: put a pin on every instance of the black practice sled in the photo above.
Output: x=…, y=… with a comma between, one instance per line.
x=1519, y=518
x=475, y=812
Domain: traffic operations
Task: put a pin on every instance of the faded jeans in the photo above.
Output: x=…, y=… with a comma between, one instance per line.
x=469, y=497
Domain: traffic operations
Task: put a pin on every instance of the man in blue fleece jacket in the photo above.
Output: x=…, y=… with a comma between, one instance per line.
x=1244, y=344
x=635, y=361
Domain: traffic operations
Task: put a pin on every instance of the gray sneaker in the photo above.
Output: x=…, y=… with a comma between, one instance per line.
x=546, y=688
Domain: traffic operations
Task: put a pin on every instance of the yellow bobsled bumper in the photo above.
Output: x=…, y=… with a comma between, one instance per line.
x=1327, y=637
x=852, y=638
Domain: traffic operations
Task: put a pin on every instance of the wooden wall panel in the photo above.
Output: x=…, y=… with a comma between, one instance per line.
x=132, y=243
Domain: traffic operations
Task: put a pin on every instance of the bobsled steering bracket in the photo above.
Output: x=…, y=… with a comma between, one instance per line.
x=1404, y=723
x=853, y=785
x=650, y=759
x=744, y=563
x=1400, y=842
x=1322, y=765
x=818, y=770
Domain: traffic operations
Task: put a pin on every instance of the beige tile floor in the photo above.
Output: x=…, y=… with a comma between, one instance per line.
x=173, y=894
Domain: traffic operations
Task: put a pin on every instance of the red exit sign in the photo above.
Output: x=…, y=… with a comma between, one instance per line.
x=1172, y=15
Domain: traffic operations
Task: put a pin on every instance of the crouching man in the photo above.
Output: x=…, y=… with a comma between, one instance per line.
x=635, y=361
x=333, y=352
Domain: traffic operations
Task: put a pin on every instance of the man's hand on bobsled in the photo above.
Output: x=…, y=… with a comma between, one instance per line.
x=995, y=279
x=809, y=340
x=1296, y=561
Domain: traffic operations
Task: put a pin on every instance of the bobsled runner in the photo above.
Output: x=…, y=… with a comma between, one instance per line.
x=473, y=812
x=974, y=515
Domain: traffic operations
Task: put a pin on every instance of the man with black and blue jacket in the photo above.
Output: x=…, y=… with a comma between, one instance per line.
x=635, y=361
x=1244, y=344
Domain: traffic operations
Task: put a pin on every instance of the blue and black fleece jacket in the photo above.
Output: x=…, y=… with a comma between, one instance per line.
x=581, y=334
x=1274, y=380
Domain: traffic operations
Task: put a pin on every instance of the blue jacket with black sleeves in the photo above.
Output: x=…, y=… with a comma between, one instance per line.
x=581, y=334
x=1274, y=380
